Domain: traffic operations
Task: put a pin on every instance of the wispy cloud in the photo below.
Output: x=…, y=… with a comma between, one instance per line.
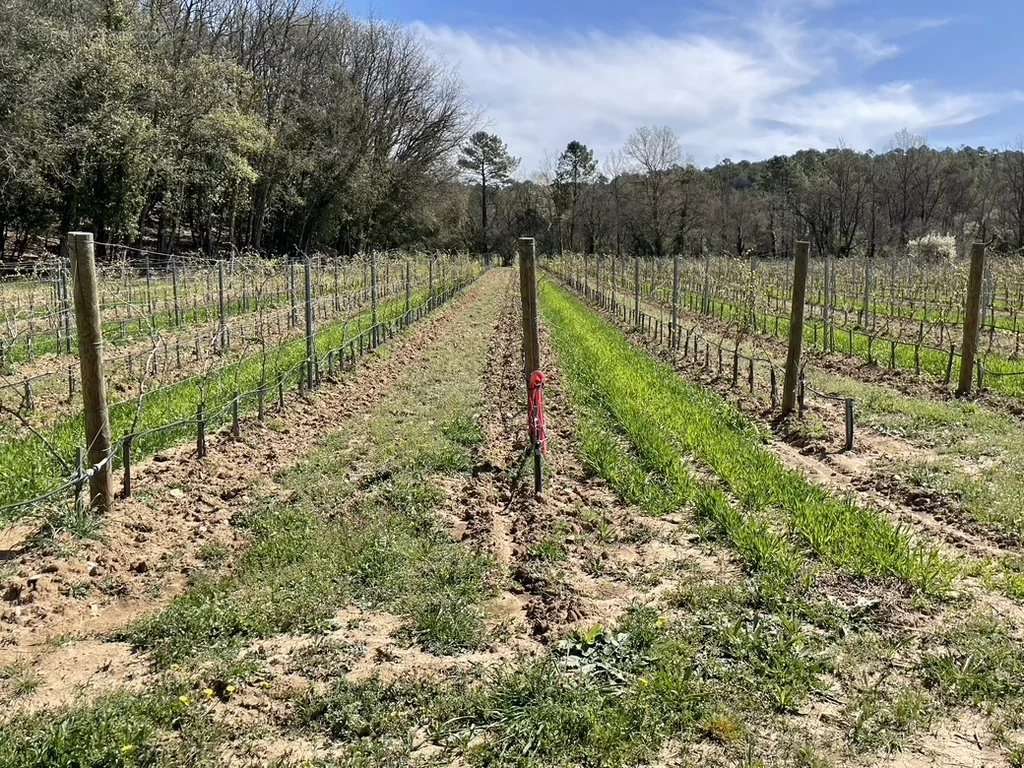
x=773, y=84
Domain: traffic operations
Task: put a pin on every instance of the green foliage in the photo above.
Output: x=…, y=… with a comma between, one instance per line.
x=981, y=662
x=670, y=425
x=119, y=731
x=133, y=121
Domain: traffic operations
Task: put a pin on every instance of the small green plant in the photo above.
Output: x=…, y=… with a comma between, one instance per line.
x=881, y=719
x=645, y=420
x=463, y=430
x=978, y=663
x=117, y=731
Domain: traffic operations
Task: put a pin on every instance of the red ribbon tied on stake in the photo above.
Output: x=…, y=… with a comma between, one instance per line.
x=538, y=428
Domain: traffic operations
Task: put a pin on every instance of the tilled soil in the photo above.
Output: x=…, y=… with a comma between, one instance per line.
x=149, y=548
x=596, y=578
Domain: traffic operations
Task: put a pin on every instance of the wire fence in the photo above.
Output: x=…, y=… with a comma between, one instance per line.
x=713, y=354
x=303, y=376
x=743, y=309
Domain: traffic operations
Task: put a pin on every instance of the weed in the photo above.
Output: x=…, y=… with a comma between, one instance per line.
x=119, y=730
x=19, y=680
x=882, y=719
x=463, y=430
x=979, y=663
x=667, y=422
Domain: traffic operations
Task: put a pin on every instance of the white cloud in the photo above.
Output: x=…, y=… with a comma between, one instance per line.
x=749, y=91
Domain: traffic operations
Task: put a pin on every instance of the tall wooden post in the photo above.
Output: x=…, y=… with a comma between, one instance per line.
x=612, y=278
x=336, y=301
x=636, y=290
x=66, y=308
x=90, y=355
x=796, y=328
x=373, y=299
x=673, y=336
x=972, y=319
x=220, y=305
x=408, y=290
x=312, y=374
x=293, y=316
x=531, y=335
x=174, y=289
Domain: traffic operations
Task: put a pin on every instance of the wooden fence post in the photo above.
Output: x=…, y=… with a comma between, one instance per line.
x=408, y=291
x=126, y=463
x=636, y=290
x=293, y=317
x=796, y=328
x=531, y=336
x=972, y=319
x=66, y=308
x=174, y=288
x=220, y=304
x=673, y=339
x=201, y=431
x=312, y=374
x=373, y=300
x=90, y=354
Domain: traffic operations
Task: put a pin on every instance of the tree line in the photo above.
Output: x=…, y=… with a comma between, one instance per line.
x=212, y=124
x=648, y=199
x=276, y=125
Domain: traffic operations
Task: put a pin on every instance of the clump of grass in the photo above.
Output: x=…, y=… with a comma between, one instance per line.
x=463, y=430
x=979, y=663
x=19, y=680
x=118, y=730
x=302, y=568
x=883, y=719
x=669, y=422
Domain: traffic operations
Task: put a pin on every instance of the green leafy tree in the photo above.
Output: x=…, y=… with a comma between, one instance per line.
x=576, y=169
x=486, y=159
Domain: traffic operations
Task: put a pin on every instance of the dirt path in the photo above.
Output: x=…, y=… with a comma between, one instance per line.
x=62, y=598
x=579, y=556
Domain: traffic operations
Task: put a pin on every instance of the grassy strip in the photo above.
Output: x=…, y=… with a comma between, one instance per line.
x=933, y=362
x=387, y=551
x=162, y=728
x=28, y=469
x=379, y=543
x=667, y=419
x=639, y=459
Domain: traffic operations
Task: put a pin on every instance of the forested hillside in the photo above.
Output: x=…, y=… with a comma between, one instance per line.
x=209, y=123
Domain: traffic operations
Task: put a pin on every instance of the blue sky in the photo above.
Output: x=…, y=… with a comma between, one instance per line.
x=735, y=78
